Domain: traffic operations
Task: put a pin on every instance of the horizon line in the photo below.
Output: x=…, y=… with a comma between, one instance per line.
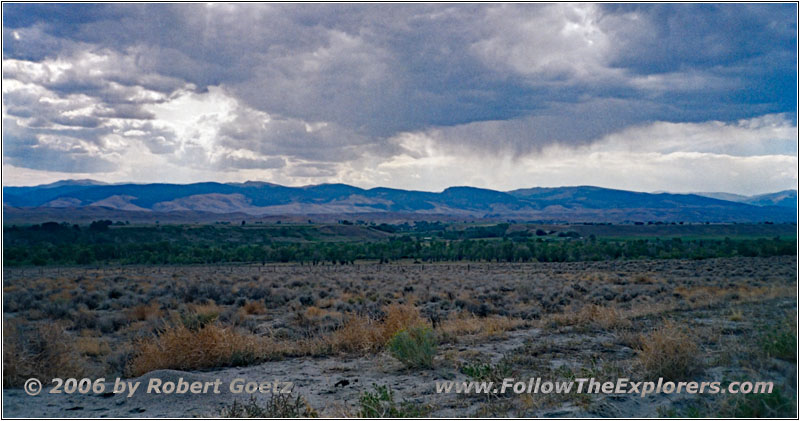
x=100, y=183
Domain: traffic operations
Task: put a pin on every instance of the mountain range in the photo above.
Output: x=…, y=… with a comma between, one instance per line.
x=259, y=199
x=785, y=198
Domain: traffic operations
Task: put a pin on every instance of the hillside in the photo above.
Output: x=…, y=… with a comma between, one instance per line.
x=204, y=201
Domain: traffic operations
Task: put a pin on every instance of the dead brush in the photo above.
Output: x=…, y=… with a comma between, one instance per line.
x=451, y=330
x=463, y=324
x=670, y=352
x=181, y=348
x=358, y=334
x=592, y=316
x=142, y=312
x=496, y=326
x=208, y=308
x=710, y=296
x=400, y=317
x=92, y=347
x=44, y=351
x=361, y=334
x=643, y=279
x=254, y=307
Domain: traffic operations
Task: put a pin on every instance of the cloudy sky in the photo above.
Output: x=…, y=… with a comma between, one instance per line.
x=651, y=97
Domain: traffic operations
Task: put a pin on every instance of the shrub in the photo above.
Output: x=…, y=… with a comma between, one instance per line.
x=358, y=334
x=145, y=312
x=757, y=405
x=780, y=340
x=278, y=406
x=415, y=347
x=361, y=334
x=400, y=317
x=93, y=347
x=488, y=372
x=742, y=405
x=45, y=351
x=194, y=320
x=669, y=352
x=381, y=404
x=59, y=309
x=255, y=307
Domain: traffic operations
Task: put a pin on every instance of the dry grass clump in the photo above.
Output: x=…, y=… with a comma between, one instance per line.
x=479, y=327
x=361, y=334
x=594, y=316
x=463, y=324
x=703, y=296
x=44, y=351
x=358, y=334
x=181, y=348
x=643, y=279
x=495, y=325
x=141, y=312
x=400, y=317
x=254, y=307
x=209, y=308
x=314, y=314
x=669, y=352
x=93, y=347
x=190, y=346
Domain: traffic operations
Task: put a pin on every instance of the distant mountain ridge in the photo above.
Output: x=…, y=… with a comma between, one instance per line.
x=576, y=203
x=785, y=198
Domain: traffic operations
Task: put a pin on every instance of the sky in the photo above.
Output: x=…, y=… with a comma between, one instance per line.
x=645, y=97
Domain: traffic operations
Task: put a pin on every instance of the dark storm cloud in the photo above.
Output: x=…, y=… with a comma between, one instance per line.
x=751, y=47
x=504, y=78
x=23, y=148
x=253, y=131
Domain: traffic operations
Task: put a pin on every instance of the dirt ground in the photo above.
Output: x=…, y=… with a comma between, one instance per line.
x=706, y=320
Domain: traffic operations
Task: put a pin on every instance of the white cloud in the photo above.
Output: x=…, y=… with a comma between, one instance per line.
x=749, y=156
x=766, y=135
x=552, y=41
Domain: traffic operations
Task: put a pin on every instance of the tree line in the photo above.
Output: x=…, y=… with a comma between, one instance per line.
x=71, y=245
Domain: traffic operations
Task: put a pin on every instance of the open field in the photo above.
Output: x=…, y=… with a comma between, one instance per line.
x=719, y=319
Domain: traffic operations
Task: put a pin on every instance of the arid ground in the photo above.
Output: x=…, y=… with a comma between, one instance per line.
x=335, y=332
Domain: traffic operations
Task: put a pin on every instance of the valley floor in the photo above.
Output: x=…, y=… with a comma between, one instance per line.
x=688, y=320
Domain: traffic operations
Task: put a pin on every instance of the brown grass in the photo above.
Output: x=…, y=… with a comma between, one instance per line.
x=178, y=347
x=254, y=307
x=703, y=296
x=141, y=312
x=481, y=328
x=592, y=315
x=643, y=279
x=400, y=317
x=360, y=334
x=459, y=326
x=670, y=352
x=93, y=347
x=208, y=309
x=182, y=348
x=45, y=351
